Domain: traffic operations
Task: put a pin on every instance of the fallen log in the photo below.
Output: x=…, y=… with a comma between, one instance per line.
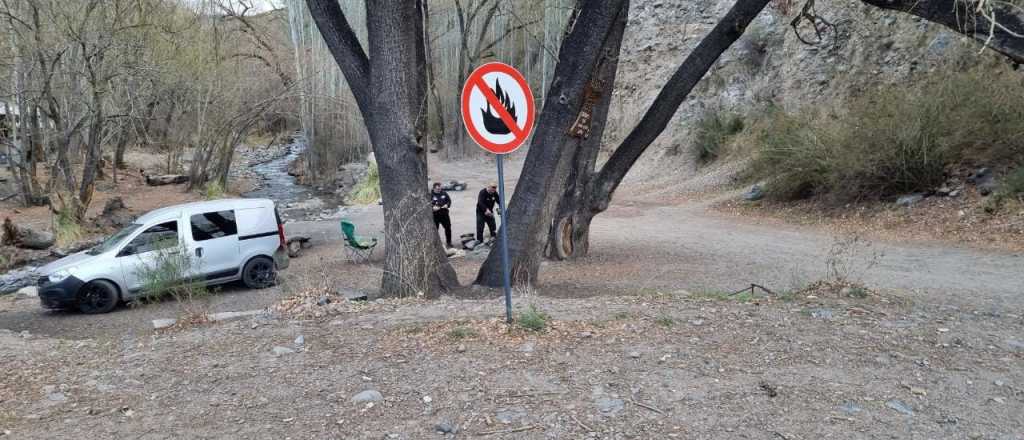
x=26, y=238
x=166, y=179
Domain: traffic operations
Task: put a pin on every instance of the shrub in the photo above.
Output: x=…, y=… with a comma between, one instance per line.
x=67, y=228
x=368, y=191
x=533, y=320
x=713, y=132
x=893, y=140
x=213, y=190
x=169, y=274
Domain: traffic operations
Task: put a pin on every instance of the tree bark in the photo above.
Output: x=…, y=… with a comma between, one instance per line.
x=390, y=90
x=553, y=147
x=963, y=17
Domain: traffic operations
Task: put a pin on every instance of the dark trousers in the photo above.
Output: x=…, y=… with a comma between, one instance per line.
x=441, y=218
x=482, y=219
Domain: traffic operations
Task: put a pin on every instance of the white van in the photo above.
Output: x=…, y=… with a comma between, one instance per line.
x=218, y=241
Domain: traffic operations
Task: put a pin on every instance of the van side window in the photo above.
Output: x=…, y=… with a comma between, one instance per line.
x=210, y=225
x=162, y=236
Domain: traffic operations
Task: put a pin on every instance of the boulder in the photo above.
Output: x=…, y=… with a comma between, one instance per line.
x=754, y=194
x=985, y=180
x=16, y=279
x=25, y=237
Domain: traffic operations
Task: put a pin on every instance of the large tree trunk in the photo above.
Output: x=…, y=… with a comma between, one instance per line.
x=570, y=232
x=963, y=17
x=553, y=146
x=390, y=89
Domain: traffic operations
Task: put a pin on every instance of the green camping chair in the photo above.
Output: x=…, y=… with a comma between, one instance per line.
x=359, y=248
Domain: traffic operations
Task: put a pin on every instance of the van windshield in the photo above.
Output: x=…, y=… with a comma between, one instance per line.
x=114, y=240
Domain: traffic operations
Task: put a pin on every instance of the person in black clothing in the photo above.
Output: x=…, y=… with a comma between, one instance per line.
x=485, y=211
x=440, y=202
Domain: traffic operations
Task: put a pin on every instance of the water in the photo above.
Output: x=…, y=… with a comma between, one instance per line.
x=294, y=200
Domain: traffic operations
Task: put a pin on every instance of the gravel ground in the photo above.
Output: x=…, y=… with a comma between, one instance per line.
x=649, y=366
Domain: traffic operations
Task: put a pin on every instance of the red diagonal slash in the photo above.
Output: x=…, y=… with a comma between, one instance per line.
x=509, y=121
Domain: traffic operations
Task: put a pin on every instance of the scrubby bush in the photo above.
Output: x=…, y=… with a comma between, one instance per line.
x=892, y=140
x=67, y=230
x=533, y=319
x=713, y=132
x=213, y=190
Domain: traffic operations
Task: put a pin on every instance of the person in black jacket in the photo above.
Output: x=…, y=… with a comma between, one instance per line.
x=485, y=203
x=440, y=202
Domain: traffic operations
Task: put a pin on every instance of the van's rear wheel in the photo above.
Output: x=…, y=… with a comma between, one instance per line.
x=259, y=272
x=97, y=297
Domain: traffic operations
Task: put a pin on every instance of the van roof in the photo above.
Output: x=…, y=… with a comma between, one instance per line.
x=173, y=212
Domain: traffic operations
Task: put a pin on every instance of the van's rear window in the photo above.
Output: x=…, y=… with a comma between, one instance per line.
x=210, y=225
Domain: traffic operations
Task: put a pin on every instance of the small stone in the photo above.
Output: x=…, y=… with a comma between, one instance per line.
x=160, y=324
x=899, y=407
x=998, y=383
x=461, y=348
x=634, y=354
x=822, y=313
x=1015, y=344
x=526, y=348
x=508, y=415
x=909, y=199
x=446, y=427
x=943, y=330
x=427, y=399
x=754, y=194
x=696, y=322
x=850, y=408
x=281, y=351
x=56, y=397
x=323, y=301
x=27, y=292
x=368, y=396
x=300, y=341
x=608, y=406
x=999, y=400
x=584, y=335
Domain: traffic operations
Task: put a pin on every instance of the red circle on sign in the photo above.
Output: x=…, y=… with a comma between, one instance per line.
x=476, y=81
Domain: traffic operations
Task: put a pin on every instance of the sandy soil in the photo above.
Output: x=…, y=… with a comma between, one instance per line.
x=642, y=342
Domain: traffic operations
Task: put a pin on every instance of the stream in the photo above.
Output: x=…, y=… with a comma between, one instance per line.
x=295, y=201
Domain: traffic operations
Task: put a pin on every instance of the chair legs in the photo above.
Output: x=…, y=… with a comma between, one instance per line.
x=359, y=255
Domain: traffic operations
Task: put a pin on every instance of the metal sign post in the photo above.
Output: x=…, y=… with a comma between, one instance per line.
x=504, y=240
x=498, y=111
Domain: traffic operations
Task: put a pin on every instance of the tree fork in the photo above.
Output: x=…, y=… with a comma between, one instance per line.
x=553, y=147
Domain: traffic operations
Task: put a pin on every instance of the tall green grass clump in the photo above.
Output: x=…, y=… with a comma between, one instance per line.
x=892, y=140
x=368, y=191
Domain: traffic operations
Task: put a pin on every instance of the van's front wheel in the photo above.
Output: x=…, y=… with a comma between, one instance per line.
x=97, y=297
x=259, y=272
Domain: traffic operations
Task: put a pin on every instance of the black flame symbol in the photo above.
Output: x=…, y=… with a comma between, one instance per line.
x=492, y=123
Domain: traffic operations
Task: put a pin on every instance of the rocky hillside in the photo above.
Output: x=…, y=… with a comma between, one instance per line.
x=769, y=65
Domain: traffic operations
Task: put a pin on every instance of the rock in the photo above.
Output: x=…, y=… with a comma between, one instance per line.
x=56, y=397
x=526, y=348
x=754, y=194
x=608, y=406
x=470, y=244
x=294, y=248
x=25, y=237
x=231, y=316
x=509, y=415
x=300, y=340
x=461, y=348
x=323, y=301
x=281, y=351
x=899, y=407
x=159, y=324
x=446, y=427
x=943, y=190
x=351, y=294
x=368, y=396
x=634, y=354
x=984, y=180
x=1014, y=344
x=821, y=313
x=166, y=179
x=27, y=292
x=909, y=199
x=849, y=408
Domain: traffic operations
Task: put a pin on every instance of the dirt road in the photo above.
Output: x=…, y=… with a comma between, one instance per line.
x=637, y=246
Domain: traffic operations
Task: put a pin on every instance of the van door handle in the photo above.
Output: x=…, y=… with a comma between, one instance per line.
x=199, y=252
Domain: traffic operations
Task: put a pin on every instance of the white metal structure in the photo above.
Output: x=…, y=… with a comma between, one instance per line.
x=212, y=242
